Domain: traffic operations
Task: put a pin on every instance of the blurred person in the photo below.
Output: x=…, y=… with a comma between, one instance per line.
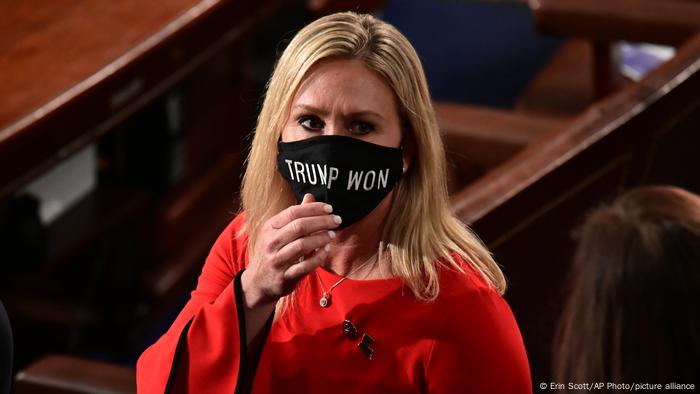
x=633, y=311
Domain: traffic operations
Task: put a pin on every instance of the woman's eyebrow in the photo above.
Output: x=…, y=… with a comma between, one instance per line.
x=365, y=113
x=324, y=113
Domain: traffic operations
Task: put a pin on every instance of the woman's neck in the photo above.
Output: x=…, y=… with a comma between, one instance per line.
x=359, y=243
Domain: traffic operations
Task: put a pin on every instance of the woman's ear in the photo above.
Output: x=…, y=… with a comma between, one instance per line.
x=408, y=146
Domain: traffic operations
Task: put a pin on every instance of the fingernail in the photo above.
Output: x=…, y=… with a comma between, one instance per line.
x=337, y=219
x=327, y=248
x=328, y=208
x=331, y=234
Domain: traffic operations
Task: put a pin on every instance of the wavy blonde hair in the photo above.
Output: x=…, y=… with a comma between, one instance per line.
x=421, y=233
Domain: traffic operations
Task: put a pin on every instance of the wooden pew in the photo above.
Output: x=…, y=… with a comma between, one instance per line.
x=72, y=71
x=478, y=139
x=668, y=22
x=77, y=73
x=584, y=69
x=526, y=207
x=580, y=73
x=58, y=374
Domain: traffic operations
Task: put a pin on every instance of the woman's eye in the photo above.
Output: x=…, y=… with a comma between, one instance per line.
x=362, y=128
x=310, y=123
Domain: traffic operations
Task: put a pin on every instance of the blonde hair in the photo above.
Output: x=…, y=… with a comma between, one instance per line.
x=421, y=232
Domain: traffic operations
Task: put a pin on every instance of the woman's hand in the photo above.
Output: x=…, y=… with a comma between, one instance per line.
x=292, y=244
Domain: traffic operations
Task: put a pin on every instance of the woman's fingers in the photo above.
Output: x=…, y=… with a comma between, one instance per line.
x=300, y=220
x=300, y=247
x=288, y=215
x=295, y=242
x=297, y=271
x=304, y=226
x=308, y=197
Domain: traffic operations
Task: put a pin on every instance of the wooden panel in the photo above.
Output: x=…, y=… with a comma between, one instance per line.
x=526, y=208
x=663, y=22
x=122, y=73
x=484, y=123
x=56, y=374
x=196, y=218
x=564, y=87
x=71, y=70
x=478, y=138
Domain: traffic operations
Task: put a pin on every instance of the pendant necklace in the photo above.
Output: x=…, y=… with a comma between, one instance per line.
x=326, y=298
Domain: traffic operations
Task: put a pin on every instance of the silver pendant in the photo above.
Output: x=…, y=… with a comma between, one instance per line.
x=325, y=301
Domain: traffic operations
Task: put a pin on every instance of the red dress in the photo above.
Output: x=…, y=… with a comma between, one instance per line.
x=467, y=341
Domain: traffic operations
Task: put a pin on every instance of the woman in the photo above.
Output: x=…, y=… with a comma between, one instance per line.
x=633, y=314
x=345, y=271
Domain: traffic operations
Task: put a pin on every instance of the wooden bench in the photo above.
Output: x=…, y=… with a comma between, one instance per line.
x=584, y=70
x=77, y=73
x=526, y=208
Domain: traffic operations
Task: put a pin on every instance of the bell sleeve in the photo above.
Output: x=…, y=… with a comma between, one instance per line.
x=478, y=348
x=205, y=349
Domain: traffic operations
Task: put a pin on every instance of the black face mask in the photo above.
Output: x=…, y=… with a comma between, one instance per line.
x=352, y=175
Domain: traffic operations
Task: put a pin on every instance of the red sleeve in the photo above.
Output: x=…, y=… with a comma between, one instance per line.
x=201, y=352
x=478, y=347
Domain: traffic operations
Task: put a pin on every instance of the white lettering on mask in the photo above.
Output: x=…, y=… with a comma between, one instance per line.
x=334, y=176
x=325, y=175
x=299, y=169
x=311, y=173
x=368, y=179
x=289, y=164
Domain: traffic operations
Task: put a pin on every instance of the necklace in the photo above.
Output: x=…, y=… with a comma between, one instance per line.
x=326, y=298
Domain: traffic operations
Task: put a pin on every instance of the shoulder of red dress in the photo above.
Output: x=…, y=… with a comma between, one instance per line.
x=236, y=225
x=464, y=275
x=239, y=219
x=465, y=298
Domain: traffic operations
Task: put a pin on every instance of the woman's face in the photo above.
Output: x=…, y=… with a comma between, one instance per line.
x=344, y=97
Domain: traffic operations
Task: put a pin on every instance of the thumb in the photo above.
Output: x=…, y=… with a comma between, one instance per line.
x=308, y=197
